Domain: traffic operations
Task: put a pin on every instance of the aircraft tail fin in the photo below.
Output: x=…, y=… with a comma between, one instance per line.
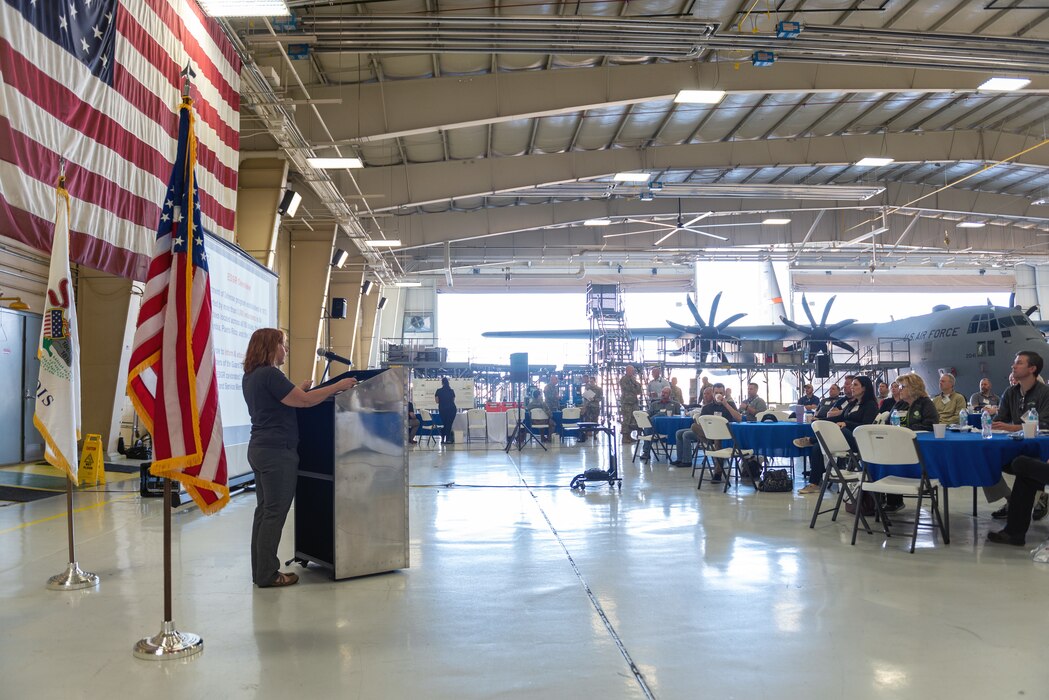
x=770, y=288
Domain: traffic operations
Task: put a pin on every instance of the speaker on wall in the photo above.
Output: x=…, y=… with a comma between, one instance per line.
x=519, y=367
x=338, y=307
x=822, y=366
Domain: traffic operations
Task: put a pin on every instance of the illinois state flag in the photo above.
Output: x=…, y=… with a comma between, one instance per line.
x=172, y=375
x=57, y=415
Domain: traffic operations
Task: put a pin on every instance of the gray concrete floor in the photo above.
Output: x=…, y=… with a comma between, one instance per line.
x=521, y=588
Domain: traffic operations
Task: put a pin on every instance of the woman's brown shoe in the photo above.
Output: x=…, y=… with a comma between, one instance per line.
x=283, y=579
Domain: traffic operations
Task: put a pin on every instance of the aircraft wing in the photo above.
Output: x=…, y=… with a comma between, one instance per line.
x=1043, y=326
x=740, y=332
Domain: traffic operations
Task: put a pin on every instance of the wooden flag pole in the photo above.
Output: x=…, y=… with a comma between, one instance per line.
x=72, y=578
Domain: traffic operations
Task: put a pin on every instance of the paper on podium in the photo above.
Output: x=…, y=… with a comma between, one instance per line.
x=589, y=395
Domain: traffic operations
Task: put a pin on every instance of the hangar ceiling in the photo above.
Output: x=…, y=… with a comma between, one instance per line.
x=490, y=133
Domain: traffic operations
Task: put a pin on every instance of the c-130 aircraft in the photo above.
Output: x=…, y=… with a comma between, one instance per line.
x=971, y=342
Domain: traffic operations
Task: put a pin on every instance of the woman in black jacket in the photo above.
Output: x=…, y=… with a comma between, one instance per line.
x=916, y=409
x=862, y=409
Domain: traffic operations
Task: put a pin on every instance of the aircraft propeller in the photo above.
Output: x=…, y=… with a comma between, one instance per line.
x=818, y=335
x=704, y=337
x=1012, y=304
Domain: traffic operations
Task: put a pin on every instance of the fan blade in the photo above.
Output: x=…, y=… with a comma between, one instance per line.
x=826, y=310
x=694, y=310
x=843, y=346
x=729, y=321
x=634, y=233
x=698, y=218
x=667, y=236
x=714, y=308
x=704, y=233
x=805, y=307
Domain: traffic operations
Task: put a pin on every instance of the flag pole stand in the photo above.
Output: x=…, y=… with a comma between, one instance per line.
x=73, y=578
x=169, y=643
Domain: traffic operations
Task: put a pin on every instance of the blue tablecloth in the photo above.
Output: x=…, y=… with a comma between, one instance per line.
x=669, y=425
x=773, y=439
x=966, y=459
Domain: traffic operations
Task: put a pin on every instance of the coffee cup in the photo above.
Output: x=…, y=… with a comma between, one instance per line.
x=939, y=430
x=1030, y=429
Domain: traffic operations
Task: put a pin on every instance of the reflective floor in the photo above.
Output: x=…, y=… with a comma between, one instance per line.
x=522, y=588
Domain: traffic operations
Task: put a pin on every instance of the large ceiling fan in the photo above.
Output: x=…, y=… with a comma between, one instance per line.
x=670, y=229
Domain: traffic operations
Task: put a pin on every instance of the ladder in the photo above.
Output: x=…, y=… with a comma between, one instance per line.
x=611, y=347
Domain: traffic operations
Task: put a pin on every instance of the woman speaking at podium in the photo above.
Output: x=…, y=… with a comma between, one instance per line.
x=273, y=448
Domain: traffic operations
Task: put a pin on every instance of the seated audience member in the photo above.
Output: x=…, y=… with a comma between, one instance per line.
x=894, y=398
x=1031, y=476
x=536, y=400
x=413, y=423
x=664, y=406
x=984, y=398
x=686, y=438
x=832, y=400
x=883, y=394
x=949, y=402
x=721, y=406
x=861, y=409
x=808, y=398
x=753, y=404
x=917, y=412
x=1018, y=399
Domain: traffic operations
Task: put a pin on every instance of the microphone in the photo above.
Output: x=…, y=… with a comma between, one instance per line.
x=332, y=357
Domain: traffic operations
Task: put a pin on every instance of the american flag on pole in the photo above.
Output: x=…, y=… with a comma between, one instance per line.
x=57, y=415
x=172, y=377
x=95, y=81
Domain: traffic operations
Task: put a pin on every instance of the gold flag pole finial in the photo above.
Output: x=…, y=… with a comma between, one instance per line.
x=187, y=74
x=61, y=172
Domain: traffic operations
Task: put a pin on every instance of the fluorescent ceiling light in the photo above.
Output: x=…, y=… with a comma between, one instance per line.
x=776, y=222
x=244, y=8
x=407, y=284
x=1004, y=84
x=384, y=243
x=870, y=162
x=699, y=97
x=971, y=224
x=596, y=222
x=334, y=163
x=631, y=177
x=869, y=234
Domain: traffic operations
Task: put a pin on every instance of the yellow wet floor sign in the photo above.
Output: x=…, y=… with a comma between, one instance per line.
x=92, y=464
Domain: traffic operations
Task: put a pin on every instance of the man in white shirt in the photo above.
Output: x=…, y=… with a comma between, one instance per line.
x=656, y=386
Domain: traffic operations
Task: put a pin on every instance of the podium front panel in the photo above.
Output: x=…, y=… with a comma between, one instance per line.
x=352, y=507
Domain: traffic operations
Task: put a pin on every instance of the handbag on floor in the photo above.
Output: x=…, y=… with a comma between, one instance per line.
x=776, y=481
x=868, y=505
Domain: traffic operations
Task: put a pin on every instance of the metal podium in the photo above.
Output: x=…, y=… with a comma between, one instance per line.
x=351, y=501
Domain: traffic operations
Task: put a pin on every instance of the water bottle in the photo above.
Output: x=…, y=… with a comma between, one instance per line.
x=963, y=418
x=1031, y=416
x=985, y=425
x=894, y=417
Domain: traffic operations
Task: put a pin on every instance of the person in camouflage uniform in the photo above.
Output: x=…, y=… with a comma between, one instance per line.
x=591, y=412
x=629, y=391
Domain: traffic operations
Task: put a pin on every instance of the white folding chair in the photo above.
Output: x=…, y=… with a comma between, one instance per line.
x=476, y=425
x=882, y=418
x=891, y=445
x=831, y=441
x=646, y=435
x=540, y=421
x=570, y=423
x=716, y=428
x=773, y=417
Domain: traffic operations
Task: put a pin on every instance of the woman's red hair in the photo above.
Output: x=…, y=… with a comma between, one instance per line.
x=262, y=348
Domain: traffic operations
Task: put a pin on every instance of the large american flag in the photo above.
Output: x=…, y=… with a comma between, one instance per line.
x=94, y=81
x=172, y=377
